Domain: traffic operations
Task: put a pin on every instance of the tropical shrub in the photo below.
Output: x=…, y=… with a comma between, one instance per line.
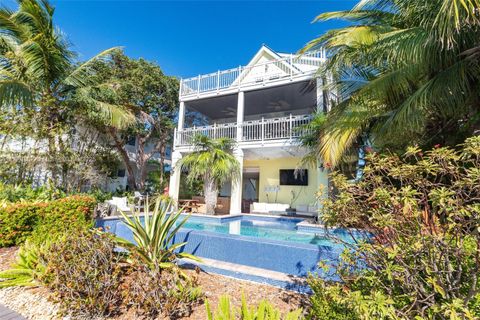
x=159, y=292
x=264, y=311
x=84, y=274
x=44, y=219
x=17, y=222
x=74, y=213
x=420, y=213
x=154, y=235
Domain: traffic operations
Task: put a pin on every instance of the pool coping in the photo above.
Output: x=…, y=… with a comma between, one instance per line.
x=251, y=274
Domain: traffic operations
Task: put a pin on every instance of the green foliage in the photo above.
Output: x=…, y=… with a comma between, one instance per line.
x=39, y=76
x=264, y=311
x=20, y=193
x=423, y=259
x=407, y=72
x=154, y=235
x=44, y=220
x=28, y=268
x=84, y=274
x=161, y=292
x=152, y=97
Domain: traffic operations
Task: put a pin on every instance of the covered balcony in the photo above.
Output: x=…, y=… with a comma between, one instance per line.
x=274, y=114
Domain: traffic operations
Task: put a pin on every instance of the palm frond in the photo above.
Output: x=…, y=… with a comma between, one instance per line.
x=82, y=76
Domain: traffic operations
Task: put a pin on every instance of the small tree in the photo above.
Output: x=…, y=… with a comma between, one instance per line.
x=213, y=161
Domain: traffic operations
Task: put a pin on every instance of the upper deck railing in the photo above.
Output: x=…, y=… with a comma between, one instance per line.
x=287, y=67
x=283, y=128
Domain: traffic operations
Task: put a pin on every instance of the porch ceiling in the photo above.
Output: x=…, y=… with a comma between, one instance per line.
x=266, y=153
x=281, y=99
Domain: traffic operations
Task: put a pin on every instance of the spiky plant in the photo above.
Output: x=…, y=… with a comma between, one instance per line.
x=154, y=235
x=27, y=269
x=264, y=311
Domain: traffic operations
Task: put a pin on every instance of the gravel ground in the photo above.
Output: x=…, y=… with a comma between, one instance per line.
x=29, y=302
x=33, y=303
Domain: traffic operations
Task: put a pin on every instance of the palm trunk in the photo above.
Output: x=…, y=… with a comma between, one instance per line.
x=210, y=192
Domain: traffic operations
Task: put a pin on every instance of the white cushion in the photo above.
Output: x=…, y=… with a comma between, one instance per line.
x=120, y=203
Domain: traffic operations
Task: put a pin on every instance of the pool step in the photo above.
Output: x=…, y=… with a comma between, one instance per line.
x=258, y=275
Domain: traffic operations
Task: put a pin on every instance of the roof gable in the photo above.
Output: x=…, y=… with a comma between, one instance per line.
x=266, y=64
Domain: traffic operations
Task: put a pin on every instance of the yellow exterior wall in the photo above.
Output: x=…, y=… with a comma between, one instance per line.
x=269, y=176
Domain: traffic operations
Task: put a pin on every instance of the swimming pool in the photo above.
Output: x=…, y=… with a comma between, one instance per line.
x=272, y=243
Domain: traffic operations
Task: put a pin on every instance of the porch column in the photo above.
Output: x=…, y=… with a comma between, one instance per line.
x=174, y=186
x=181, y=116
x=240, y=112
x=322, y=96
x=237, y=186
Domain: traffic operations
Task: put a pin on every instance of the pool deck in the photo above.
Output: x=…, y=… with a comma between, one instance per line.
x=251, y=274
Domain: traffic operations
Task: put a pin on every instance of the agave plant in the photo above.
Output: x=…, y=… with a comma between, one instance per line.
x=154, y=237
x=27, y=268
x=264, y=311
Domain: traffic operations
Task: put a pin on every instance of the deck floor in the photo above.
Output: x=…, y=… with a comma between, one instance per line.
x=7, y=314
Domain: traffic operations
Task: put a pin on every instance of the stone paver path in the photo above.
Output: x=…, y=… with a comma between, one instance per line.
x=7, y=314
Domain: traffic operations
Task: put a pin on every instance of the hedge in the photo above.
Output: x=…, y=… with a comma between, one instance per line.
x=43, y=220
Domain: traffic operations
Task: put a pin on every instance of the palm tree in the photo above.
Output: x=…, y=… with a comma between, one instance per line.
x=39, y=76
x=407, y=72
x=213, y=161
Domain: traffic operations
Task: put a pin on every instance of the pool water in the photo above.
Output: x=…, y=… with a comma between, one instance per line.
x=283, y=229
x=270, y=228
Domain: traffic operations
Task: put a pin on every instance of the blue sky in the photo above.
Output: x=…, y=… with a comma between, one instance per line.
x=187, y=38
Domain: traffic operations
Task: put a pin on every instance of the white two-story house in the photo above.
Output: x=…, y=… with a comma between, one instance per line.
x=261, y=106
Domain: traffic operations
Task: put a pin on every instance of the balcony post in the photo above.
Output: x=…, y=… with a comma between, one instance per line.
x=215, y=130
x=198, y=84
x=174, y=137
x=291, y=67
x=218, y=80
x=263, y=129
x=181, y=116
x=291, y=126
x=240, y=113
x=321, y=103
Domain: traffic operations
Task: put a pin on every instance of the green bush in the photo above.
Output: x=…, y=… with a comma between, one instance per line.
x=264, y=311
x=44, y=220
x=84, y=274
x=161, y=292
x=423, y=210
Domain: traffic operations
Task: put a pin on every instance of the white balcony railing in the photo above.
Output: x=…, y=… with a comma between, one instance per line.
x=284, y=128
x=287, y=67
